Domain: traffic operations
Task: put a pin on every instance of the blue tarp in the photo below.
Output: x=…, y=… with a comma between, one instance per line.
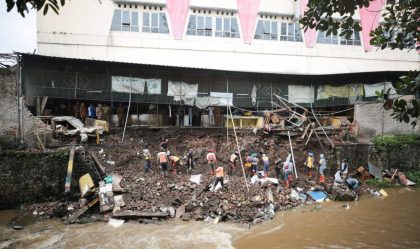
x=318, y=196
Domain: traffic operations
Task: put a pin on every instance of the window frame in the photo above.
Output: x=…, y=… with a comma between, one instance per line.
x=123, y=25
x=208, y=26
x=153, y=16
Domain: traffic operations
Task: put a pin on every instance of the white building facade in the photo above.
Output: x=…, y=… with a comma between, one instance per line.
x=261, y=36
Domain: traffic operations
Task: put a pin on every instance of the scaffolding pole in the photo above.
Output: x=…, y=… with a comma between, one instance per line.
x=237, y=145
x=128, y=110
x=291, y=151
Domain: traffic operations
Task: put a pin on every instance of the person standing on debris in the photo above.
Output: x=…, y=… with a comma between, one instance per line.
x=190, y=160
x=322, y=167
x=91, y=111
x=100, y=112
x=287, y=171
x=266, y=164
x=211, y=116
x=344, y=169
x=120, y=114
x=174, y=160
x=83, y=112
x=254, y=164
x=164, y=144
x=232, y=162
x=220, y=174
x=248, y=164
x=310, y=163
x=107, y=113
x=211, y=159
x=76, y=110
x=162, y=160
x=278, y=167
x=147, y=159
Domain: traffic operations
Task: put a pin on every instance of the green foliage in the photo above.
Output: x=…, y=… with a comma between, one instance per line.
x=45, y=5
x=378, y=183
x=415, y=177
x=394, y=142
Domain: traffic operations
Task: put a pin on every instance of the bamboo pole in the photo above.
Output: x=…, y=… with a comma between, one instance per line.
x=237, y=145
x=128, y=111
x=291, y=150
x=69, y=170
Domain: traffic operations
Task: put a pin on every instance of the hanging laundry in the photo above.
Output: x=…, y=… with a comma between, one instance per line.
x=301, y=94
x=254, y=95
x=180, y=89
x=371, y=89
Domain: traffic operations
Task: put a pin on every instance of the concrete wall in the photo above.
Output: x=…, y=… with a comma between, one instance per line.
x=9, y=114
x=372, y=118
x=37, y=177
x=88, y=36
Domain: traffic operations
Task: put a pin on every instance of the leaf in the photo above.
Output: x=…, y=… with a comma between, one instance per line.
x=45, y=9
x=406, y=118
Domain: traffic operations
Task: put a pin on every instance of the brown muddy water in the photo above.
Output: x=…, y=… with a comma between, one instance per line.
x=388, y=222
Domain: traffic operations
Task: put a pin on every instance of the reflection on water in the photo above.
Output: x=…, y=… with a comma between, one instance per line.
x=390, y=222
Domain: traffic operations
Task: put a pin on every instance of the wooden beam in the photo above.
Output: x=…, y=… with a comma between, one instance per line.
x=69, y=170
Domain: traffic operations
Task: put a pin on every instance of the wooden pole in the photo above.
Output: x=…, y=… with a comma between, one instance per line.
x=322, y=128
x=291, y=150
x=69, y=170
x=237, y=146
x=128, y=111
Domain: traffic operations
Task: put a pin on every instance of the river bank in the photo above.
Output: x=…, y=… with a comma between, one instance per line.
x=386, y=222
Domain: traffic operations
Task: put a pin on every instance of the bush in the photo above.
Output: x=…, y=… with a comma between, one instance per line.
x=414, y=176
x=378, y=183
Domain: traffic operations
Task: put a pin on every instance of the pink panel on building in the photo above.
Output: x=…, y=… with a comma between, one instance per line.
x=369, y=19
x=310, y=34
x=248, y=12
x=178, y=12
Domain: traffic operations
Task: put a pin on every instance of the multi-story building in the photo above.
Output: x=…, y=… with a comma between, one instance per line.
x=206, y=52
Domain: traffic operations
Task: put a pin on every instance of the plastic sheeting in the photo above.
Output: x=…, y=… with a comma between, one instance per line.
x=370, y=90
x=301, y=94
x=224, y=98
x=127, y=84
x=181, y=90
x=204, y=102
x=346, y=91
x=124, y=84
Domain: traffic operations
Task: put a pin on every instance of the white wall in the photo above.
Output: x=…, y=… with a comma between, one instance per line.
x=87, y=36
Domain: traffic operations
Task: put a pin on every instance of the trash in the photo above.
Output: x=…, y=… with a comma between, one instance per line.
x=255, y=179
x=86, y=184
x=346, y=206
x=294, y=195
x=101, y=151
x=375, y=171
x=106, y=196
x=302, y=197
x=383, y=193
x=272, y=180
x=404, y=180
x=116, y=180
x=17, y=227
x=316, y=208
x=318, y=196
x=129, y=214
x=217, y=220
x=111, y=162
x=119, y=201
x=337, y=178
x=81, y=211
x=270, y=196
x=108, y=179
x=373, y=192
x=115, y=222
x=196, y=178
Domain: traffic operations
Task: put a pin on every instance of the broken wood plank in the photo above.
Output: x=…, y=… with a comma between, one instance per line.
x=306, y=131
x=129, y=214
x=97, y=163
x=81, y=211
x=309, y=136
x=69, y=170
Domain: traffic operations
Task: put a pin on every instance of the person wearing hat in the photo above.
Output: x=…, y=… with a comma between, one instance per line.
x=310, y=163
x=232, y=162
x=100, y=112
x=211, y=159
x=147, y=159
x=266, y=164
x=322, y=167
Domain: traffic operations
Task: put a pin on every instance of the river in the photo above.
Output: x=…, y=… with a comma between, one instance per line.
x=387, y=222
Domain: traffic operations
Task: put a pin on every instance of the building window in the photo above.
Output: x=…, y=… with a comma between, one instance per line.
x=155, y=22
x=200, y=25
x=125, y=21
x=354, y=40
x=266, y=30
x=227, y=27
x=323, y=38
x=290, y=32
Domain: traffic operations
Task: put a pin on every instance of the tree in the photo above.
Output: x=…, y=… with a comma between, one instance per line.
x=45, y=5
x=400, y=30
